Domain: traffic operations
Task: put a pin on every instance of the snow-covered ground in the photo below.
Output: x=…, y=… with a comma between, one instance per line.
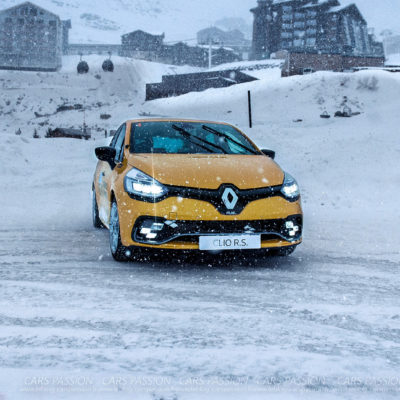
x=30, y=100
x=323, y=323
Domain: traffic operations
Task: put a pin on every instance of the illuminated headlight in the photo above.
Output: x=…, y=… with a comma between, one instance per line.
x=140, y=184
x=290, y=188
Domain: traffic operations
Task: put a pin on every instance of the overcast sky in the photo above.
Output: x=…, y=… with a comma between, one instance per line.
x=380, y=14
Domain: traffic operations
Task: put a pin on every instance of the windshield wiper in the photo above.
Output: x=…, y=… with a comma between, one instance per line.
x=190, y=136
x=220, y=134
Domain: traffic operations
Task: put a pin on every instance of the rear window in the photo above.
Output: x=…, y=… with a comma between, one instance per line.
x=188, y=138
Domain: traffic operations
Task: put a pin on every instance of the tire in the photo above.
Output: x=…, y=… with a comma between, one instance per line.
x=118, y=250
x=95, y=212
x=283, y=251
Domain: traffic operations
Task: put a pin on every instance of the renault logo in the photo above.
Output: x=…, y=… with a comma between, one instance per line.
x=230, y=198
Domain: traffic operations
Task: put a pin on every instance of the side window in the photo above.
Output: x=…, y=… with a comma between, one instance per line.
x=115, y=137
x=119, y=145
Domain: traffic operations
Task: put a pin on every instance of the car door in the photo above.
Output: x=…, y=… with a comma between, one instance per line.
x=105, y=177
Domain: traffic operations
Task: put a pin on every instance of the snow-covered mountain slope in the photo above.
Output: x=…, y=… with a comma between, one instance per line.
x=106, y=20
x=30, y=100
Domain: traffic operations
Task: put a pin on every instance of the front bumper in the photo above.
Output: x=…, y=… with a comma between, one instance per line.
x=158, y=231
x=182, y=221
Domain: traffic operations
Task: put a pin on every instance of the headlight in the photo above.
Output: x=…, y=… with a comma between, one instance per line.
x=290, y=188
x=140, y=184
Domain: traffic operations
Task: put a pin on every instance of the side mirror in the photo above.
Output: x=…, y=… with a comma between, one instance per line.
x=106, y=154
x=268, y=153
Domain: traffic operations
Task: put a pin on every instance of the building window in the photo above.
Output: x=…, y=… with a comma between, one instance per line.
x=299, y=34
x=311, y=14
x=286, y=35
x=311, y=32
x=298, y=43
x=287, y=26
x=8, y=21
x=21, y=21
x=299, y=15
x=312, y=22
x=299, y=24
x=287, y=17
x=346, y=23
x=286, y=44
x=311, y=42
x=33, y=12
x=287, y=9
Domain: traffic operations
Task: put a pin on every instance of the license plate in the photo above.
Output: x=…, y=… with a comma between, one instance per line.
x=231, y=242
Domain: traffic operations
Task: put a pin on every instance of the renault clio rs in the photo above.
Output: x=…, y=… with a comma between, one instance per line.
x=193, y=185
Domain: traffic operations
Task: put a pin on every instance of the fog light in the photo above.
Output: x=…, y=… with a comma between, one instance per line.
x=157, y=226
x=145, y=231
x=150, y=229
x=292, y=228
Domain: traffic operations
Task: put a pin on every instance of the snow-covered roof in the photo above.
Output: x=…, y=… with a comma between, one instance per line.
x=319, y=4
x=348, y=7
x=28, y=3
x=152, y=33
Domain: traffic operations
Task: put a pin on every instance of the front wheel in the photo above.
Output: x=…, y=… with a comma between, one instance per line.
x=118, y=250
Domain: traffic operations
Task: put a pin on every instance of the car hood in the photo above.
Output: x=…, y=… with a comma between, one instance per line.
x=209, y=171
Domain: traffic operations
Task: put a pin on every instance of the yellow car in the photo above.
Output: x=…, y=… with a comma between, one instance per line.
x=193, y=185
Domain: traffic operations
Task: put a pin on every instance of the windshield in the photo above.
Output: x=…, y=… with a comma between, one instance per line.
x=177, y=137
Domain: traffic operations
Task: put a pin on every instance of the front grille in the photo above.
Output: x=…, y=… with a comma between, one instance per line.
x=215, y=196
x=183, y=230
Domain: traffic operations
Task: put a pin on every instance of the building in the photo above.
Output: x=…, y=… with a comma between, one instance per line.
x=69, y=133
x=176, y=85
x=183, y=54
x=32, y=38
x=146, y=46
x=314, y=26
x=142, y=45
x=215, y=35
x=301, y=63
x=93, y=48
x=234, y=39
